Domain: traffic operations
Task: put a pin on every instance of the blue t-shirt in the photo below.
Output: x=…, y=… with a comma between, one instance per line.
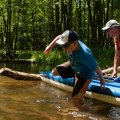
x=83, y=61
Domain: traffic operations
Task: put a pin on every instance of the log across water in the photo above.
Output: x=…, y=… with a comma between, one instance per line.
x=19, y=75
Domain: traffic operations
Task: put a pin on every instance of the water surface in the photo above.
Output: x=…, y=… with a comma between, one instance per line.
x=35, y=100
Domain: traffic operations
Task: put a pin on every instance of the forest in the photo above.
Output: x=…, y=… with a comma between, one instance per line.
x=32, y=24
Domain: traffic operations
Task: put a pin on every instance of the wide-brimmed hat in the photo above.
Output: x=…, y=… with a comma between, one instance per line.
x=68, y=36
x=110, y=24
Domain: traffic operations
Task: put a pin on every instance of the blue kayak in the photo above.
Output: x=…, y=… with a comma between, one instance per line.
x=110, y=94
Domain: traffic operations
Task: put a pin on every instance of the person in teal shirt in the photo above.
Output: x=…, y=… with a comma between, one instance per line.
x=83, y=61
x=81, y=65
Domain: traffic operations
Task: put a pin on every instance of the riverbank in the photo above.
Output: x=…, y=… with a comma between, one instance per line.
x=29, y=61
x=104, y=57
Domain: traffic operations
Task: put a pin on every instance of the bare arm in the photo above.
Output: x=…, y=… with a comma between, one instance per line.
x=116, y=58
x=99, y=72
x=51, y=45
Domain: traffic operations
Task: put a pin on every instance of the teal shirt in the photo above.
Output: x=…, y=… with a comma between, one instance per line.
x=83, y=61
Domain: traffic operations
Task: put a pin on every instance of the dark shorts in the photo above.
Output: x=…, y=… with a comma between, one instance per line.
x=65, y=71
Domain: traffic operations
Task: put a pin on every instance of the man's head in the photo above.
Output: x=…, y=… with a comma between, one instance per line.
x=112, y=28
x=111, y=24
x=67, y=38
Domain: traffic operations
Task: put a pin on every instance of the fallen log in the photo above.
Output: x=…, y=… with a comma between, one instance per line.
x=19, y=75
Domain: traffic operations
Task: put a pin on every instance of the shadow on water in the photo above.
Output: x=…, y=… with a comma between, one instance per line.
x=35, y=100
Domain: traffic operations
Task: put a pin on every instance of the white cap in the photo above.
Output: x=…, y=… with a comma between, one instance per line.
x=111, y=24
x=68, y=36
x=64, y=38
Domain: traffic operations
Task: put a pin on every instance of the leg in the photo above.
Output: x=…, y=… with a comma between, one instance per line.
x=84, y=89
x=78, y=99
x=80, y=86
x=55, y=71
x=64, y=70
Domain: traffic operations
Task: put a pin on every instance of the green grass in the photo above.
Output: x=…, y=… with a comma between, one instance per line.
x=103, y=56
x=53, y=58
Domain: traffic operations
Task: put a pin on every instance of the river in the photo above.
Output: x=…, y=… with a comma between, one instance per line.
x=35, y=100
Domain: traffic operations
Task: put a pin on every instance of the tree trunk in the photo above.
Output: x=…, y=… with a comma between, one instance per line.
x=9, y=41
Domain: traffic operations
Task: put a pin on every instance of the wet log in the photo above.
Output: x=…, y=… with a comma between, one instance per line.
x=19, y=75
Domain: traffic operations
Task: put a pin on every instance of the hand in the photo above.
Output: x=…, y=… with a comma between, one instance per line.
x=114, y=74
x=47, y=50
x=102, y=83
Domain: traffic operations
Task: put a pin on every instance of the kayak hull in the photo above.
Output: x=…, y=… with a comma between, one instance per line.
x=111, y=93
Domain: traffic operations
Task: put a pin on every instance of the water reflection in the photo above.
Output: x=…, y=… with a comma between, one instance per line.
x=35, y=100
x=31, y=68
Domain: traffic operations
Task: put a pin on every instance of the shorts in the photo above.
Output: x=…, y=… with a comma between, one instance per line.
x=65, y=71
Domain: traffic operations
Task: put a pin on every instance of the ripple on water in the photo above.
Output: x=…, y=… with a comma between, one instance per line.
x=114, y=113
x=38, y=101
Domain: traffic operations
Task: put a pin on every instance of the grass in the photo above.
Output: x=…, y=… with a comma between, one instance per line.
x=103, y=56
x=53, y=58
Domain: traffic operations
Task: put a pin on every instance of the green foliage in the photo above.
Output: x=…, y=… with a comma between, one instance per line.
x=56, y=57
x=53, y=58
x=24, y=54
x=31, y=24
x=104, y=56
x=38, y=56
x=116, y=4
